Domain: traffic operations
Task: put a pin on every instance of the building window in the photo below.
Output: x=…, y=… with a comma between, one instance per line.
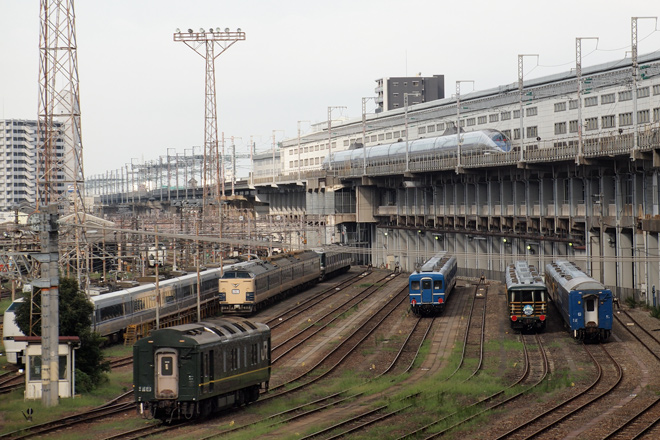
x=381, y=137
x=625, y=96
x=505, y=116
x=608, y=99
x=532, y=132
x=532, y=111
x=572, y=104
x=493, y=118
x=397, y=134
x=591, y=124
x=625, y=119
x=415, y=83
x=591, y=101
x=421, y=130
x=572, y=126
x=516, y=114
x=388, y=135
x=643, y=117
x=471, y=122
x=608, y=121
x=507, y=133
x=463, y=122
x=656, y=89
x=560, y=107
x=395, y=83
x=290, y=164
x=643, y=92
x=481, y=120
x=656, y=114
x=441, y=126
x=516, y=133
x=560, y=128
x=374, y=138
x=430, y=128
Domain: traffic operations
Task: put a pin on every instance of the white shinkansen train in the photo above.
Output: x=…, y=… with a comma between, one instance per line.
x=486, y=141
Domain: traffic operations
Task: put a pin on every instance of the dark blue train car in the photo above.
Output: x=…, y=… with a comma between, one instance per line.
x=430, y=286
x=584, y=303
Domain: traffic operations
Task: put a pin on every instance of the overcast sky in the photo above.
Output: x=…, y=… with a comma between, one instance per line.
x=142, y=93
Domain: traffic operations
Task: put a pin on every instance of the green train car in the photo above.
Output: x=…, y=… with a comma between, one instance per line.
x=192, y=370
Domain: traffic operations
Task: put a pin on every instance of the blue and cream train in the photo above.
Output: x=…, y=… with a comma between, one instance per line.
x=250, y=286
x=526, y=296
x=584, y=303
x=429, y=286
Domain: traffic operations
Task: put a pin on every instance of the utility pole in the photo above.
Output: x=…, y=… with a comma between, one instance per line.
x=578, y=75
x=458, y=122
x=48, y=287
x=330, y=108
x=635, y=74
x=521, y=95
x=405, y=121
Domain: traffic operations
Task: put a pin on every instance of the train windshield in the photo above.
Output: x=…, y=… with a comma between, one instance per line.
x=527, y=296
x=437, y=285
x=13, y=306
x=227, y=275
x=414, y=285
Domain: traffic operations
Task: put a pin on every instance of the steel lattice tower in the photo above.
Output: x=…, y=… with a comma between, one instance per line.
x=204, y=44
x=60, y=175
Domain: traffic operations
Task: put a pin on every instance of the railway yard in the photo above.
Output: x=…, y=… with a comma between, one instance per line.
x=350, y=359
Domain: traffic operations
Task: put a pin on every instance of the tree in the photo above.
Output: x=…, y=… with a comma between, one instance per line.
x=75, y=312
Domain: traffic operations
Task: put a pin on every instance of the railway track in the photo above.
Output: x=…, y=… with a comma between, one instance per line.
x=341, y=351
x=329, y=363
x=604, y=384
x=322, y=323
x=302, y=306
x=109, y=409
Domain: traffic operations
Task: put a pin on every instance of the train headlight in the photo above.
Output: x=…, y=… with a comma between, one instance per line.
x=542, y=317
x=514, y=318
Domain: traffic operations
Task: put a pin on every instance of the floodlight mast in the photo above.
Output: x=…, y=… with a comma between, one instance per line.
x=204, y=44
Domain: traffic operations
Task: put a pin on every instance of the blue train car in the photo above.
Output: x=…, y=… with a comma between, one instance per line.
x=526, y=296
x=430, y=286
x=584, y=303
